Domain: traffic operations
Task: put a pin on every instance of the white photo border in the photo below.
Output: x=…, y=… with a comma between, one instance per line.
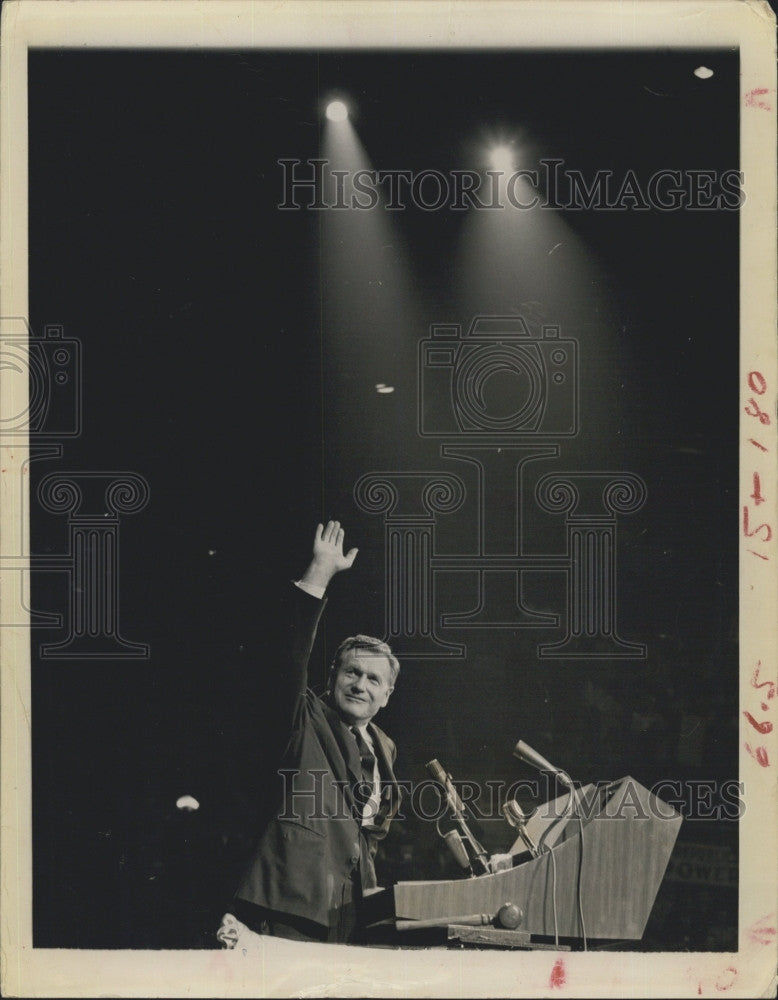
x=284, y=968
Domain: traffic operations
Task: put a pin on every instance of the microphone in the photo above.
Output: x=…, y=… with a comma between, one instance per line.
x=457, y=807
x=514, y=814
x=435, y=768
x=525, y=752
x=457, y=847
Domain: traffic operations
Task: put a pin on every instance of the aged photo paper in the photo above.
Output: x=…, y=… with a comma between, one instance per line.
x=492, y=285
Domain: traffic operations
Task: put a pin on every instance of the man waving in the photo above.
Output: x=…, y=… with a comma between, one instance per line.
x=315, y=859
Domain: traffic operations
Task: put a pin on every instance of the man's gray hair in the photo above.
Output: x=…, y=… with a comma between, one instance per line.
x=372, y=647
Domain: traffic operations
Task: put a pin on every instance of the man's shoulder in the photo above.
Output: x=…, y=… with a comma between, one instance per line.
x=388, y=742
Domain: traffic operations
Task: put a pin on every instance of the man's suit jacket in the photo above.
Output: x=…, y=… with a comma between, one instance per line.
x=311, y=847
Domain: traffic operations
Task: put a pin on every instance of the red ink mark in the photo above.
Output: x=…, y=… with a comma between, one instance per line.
x=757, y=445
x=760, y=934
x=752, y=98
x=558, y=977
x=756, y=380
x=759, y=555
x=756, y=496
x=764, y=418
x=759, y=755
x=750, y=534
x=760, y=727
x=765, y=706
x=755, y=683
x=699, y=989
x=726, y=985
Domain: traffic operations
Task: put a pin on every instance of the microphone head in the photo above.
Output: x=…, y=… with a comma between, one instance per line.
x=523, y=751
x=514, y=814
x=436, y=770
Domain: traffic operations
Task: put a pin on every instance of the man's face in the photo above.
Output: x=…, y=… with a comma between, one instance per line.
x=361, y=686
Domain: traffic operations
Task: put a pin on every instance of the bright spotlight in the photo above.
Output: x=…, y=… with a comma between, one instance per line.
x=501, y=158
x=337, y=111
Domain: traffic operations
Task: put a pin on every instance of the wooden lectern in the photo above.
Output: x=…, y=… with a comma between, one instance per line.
x=619, y=850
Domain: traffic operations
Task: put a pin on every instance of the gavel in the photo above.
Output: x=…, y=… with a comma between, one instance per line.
x=509, y=917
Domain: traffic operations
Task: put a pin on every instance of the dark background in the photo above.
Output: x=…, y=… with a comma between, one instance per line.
x=216, y=368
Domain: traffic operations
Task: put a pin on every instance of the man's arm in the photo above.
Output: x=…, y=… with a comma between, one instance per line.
x=303, y=607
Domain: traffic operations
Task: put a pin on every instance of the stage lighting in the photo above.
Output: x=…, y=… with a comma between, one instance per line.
x=337, y=111
x=501, y=158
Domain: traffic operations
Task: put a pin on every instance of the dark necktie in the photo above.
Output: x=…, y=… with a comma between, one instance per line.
x=364, y=789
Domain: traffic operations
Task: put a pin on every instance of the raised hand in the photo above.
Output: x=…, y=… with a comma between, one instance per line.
x=328, y=557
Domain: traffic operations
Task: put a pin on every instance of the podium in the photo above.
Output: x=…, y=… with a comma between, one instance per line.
x=616, y=855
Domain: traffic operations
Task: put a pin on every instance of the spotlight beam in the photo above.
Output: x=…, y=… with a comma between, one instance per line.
x=501, y=158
